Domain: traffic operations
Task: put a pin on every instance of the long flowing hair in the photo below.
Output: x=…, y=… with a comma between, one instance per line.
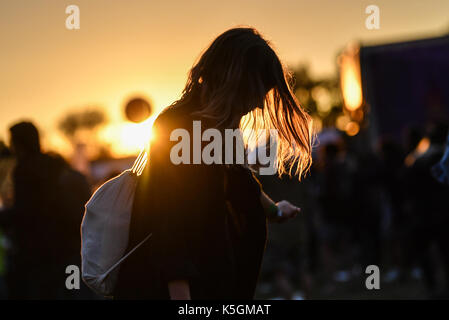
x=239, y=82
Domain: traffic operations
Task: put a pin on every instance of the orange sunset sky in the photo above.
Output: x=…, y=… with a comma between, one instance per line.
x=127, y=48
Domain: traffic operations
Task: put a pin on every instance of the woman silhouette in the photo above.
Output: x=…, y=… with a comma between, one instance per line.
x=209, y=220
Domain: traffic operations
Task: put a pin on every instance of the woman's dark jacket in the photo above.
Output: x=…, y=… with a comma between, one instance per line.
x=207, y=222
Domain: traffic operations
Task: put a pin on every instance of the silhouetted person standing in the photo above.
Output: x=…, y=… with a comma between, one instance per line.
x=37, y=222
x=430, y=207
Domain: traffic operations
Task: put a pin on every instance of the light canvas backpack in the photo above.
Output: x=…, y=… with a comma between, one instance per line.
x=105, y=229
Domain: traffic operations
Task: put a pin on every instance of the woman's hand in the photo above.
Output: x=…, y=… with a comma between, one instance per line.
x=288, y=211
x=285, y=208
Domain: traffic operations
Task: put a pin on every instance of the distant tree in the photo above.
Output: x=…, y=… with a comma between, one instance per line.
x=79, y=128
x=87, y=119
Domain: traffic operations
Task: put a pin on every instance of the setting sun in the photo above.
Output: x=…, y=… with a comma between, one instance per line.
x=126, y=138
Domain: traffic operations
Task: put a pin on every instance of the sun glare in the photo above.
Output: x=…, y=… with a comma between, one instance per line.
x=126, y=138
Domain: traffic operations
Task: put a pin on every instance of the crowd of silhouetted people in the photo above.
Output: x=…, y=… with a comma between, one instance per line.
x=363, y=206
x=382, y=206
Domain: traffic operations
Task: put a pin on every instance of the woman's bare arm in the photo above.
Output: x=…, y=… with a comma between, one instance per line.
x=278, y=212
x=179, y=290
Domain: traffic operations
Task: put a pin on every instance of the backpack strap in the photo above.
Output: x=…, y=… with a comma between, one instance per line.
x=104, y=275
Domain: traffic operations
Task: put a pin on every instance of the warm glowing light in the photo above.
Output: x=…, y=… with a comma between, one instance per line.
x=342, y=121
x=351, y=83
x=323, y=99
x=420, y=149
x=127, y=138
x=422, y=146
x=352, y=128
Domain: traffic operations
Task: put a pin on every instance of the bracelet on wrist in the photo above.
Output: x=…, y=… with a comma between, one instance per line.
x=279, y=213
x=275, y=212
